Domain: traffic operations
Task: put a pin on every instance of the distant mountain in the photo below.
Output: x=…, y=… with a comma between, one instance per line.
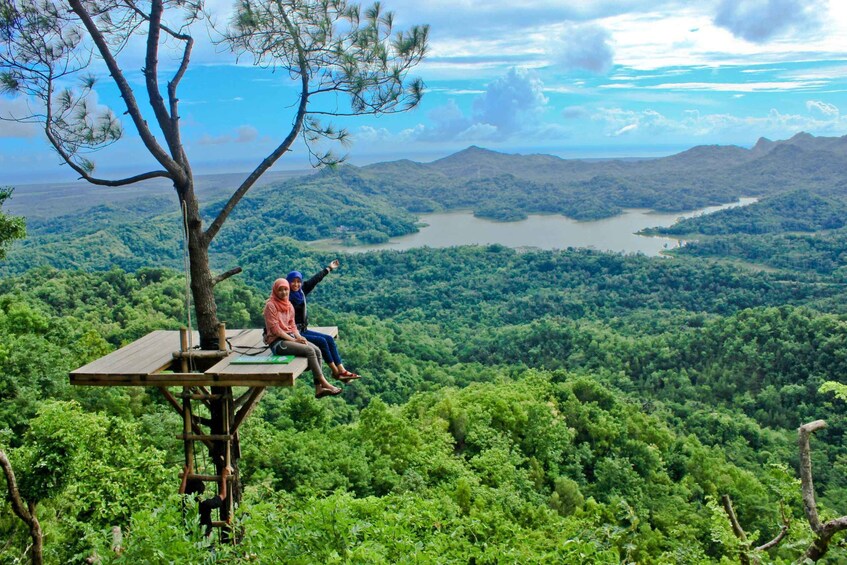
x=510, y=186
x=375, y=202
x=805, y=141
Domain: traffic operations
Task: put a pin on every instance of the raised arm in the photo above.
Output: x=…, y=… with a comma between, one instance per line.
x=310, y=284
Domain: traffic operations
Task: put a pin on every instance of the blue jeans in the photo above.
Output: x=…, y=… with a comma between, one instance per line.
x=325, y=343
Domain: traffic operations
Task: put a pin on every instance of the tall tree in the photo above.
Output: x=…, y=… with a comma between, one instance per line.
x=329, y=48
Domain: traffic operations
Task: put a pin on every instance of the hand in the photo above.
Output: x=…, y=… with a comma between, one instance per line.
x=334, y=265
x=301, y=339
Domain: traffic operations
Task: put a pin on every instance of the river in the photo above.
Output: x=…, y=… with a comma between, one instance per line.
x=617, y=234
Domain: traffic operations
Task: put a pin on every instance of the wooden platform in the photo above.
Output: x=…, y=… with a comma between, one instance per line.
x=149, y=362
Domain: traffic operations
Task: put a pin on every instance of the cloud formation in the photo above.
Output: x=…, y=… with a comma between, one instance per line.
x=508, y=105
x=760, y=20
x=510, y=100
x=242, y=134
x=586, y=47
x=616, y=122
x=12, y=108
x=822, y=109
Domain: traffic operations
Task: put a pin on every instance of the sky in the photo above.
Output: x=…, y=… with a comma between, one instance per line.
x=576, y=79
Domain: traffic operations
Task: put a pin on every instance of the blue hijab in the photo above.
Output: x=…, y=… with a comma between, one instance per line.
x=296, y=298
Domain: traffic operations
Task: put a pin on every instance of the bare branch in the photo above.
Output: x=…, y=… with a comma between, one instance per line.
x=172, y=86
x=124, y=181
x=127, y=94
x=26, y=512
x=823, y=532
x=281, y=149
x=737, y=530
x=807, y=484
x=18, y=506
x=223, y=276
x=786, y=524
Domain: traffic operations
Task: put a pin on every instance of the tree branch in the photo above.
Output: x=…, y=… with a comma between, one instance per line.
x=18, y=506
x=737, y=530
x=823, y=532
x=786, y=523
x=118, y=77
x=223, y=276
x=173, y=100
x=124, y=181
x=283, y=147
x=151, y=79
x=807, y=485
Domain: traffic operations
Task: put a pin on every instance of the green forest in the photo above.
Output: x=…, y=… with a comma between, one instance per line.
x=516, y=406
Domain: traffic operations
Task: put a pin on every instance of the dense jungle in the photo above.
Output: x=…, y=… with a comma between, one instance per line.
x=516, y=406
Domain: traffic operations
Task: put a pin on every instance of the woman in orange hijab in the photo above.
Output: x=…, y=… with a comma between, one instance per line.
x=283, y=338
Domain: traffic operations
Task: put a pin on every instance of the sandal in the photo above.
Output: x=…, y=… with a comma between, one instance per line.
x=328, y=392
x=346, y=376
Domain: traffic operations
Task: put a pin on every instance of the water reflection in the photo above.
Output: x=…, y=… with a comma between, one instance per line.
x=616, y=234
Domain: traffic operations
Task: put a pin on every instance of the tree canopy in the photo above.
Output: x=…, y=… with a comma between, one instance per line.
x=11, y=227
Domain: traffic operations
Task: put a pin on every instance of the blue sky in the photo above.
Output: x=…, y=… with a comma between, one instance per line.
x=583, y=78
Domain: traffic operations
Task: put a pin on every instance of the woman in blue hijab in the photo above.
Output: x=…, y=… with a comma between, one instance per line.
x=326, y=343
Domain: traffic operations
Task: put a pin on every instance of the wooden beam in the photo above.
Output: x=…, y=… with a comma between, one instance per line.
x=201, y=437
x=142, y=363
x=201, y=396
x=200, y=354
x=248, y=379
x=206, y=478
x=172, y=399
x=255, y=395
x=178, y=407
x=242, y=399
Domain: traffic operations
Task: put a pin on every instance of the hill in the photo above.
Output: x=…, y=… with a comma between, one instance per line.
x=373, y=203
x=521, y=406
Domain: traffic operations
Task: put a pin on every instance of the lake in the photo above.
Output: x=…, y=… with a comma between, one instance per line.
x=617, y=234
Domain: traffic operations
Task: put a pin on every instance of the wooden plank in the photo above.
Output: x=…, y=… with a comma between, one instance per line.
x=226, y=369
x=150, y=353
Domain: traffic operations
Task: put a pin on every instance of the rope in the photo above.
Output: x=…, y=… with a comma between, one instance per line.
x=186, y=264
x=247, y=349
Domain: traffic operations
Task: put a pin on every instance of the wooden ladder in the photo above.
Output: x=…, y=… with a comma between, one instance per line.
x=219, y=399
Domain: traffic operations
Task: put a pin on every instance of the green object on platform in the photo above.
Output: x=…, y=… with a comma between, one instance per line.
x=263, y=360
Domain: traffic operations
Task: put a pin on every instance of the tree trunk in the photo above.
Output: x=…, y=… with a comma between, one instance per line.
x=37, y=537
x=202, y=291
x=202, y=282
x=24, y=511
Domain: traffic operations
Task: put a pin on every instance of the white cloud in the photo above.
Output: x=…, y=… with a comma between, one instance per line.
x=455, y=91
x=370, y=134
x=574, y=112
x=774, y=86
x=448, y=122
x=510, y=100
x=509, y=104
x=16, y=108
x=693, y=124
x=246, y=134
x=242, y=134
x=822, y=109
x=625, y=129
x=587, y=47
x=760, y=20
